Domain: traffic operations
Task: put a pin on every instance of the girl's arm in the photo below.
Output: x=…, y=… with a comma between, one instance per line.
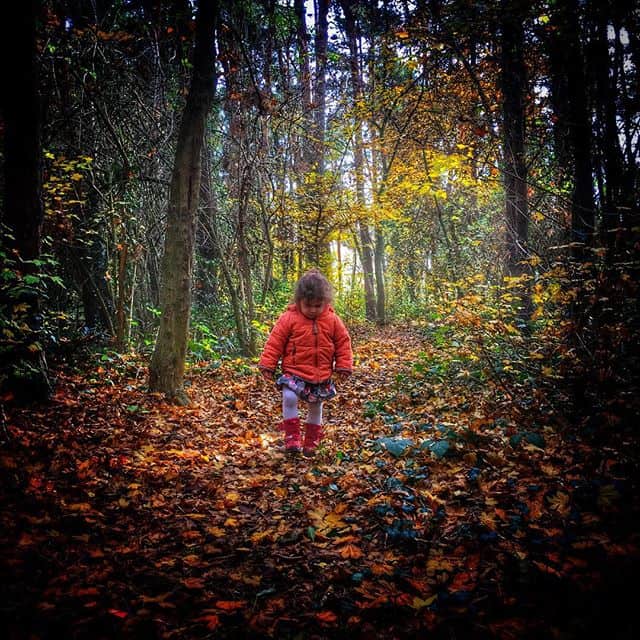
x=275, y=345
x=344, y=353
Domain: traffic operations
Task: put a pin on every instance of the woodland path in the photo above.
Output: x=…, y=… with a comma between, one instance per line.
x=124, y=517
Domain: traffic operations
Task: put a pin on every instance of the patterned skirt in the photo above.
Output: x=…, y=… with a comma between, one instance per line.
x=312, y=393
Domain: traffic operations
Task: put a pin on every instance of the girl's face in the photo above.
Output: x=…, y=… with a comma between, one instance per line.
x=311, y=308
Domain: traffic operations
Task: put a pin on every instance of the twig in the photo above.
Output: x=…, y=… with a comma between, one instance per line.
x=498, y=378
x=3, y=426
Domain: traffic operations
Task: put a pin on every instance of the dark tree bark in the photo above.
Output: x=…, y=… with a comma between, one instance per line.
x=304, y=158
x=210, y=224
x=612, y=183
x=167, y=364
x=24, y=370
x=514, y=89
x=241, y=175
x=573, y=126
x=514, y=92
x=96, y=297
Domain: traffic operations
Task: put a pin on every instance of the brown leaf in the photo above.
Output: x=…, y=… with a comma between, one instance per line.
x=193, y=583
x=212, y=620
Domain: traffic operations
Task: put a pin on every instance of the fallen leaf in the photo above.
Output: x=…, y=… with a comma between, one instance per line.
x=231, y=605
x=419, y=603
x=351, y=551
x=193, y=583
x=326, y=617
x=212, y=620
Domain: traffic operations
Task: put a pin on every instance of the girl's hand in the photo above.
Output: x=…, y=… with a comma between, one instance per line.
x=343, y=375
x=267, y=375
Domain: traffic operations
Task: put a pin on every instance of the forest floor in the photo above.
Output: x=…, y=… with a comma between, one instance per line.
x=428, y=512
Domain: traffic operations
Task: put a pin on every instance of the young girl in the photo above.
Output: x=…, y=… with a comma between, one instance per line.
x=312, y=342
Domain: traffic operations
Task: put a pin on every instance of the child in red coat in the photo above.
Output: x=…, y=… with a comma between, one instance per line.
x=312, y=342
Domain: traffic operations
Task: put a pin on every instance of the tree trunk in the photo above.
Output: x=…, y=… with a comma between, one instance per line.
x=367, y=271
x=514, y=85
x=319, y=93
x=24, y=372
x=266, y=140
x=167, y=365
x=318, y=252
x=210, y=224
x=612, y=193
x=240, y=161
x=121, y=314
x=305, y=152
x=358, y=161
x=381, y=317
x=379, y=161
x=246, y=286
x=96, y=297
x=573, y=126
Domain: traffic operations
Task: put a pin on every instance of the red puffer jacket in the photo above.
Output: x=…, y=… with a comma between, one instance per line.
x=310, y=349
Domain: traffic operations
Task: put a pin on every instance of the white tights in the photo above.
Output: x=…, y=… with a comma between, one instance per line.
x=290, y=407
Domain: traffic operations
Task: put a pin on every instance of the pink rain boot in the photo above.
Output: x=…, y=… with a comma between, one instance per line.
x=312, y=437
x=292, y=440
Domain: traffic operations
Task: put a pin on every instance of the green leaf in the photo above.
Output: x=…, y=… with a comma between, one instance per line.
x=535, y=439
x=395, y=446
x=438, y=448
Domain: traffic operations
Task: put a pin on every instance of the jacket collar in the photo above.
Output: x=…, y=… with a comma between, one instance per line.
x=326, y=311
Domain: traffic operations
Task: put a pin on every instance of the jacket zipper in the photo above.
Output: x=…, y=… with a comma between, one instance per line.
x=315, y=333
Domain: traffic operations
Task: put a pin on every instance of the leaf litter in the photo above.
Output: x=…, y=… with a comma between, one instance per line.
x=124, y=516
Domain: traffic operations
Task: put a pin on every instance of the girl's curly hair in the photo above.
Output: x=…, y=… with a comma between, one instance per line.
x=313, y=286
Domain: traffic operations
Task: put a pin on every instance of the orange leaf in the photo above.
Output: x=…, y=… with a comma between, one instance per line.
x=231, y=605
x=351, y=551
x=231, y=499
x=547, y=569
x=463, y=582
x=326, y=617
x=191, y=535
x=501, y=513
x=259, y=536
x=193, y=583
x=79, y=506
x=25, y=539
x=212, y=620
